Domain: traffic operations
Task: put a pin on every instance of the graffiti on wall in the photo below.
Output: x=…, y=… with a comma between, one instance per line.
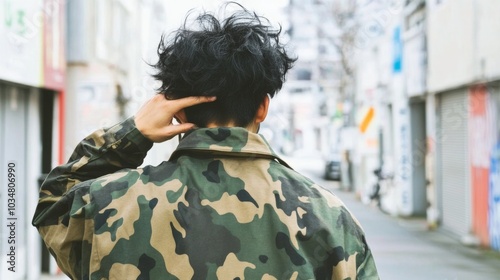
x=481, y=138
x=494, y=198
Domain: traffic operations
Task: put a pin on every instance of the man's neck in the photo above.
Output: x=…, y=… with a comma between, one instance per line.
x=252, y=127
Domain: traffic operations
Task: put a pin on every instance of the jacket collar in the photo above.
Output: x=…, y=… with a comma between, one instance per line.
x=233, y=141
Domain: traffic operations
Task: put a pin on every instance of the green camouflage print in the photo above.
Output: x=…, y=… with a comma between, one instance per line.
x=223, y=207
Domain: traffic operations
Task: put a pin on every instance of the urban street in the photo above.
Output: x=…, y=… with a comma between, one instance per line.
x=393, y=105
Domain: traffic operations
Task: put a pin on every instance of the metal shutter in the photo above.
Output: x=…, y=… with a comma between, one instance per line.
x=453, y=167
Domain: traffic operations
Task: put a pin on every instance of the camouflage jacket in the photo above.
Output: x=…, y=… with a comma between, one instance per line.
x=224, y=206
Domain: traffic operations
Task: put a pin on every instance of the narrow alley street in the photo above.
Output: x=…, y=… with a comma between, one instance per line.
x=404, y=248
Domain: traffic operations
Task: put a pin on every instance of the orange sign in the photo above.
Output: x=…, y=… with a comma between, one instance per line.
x=367, y=120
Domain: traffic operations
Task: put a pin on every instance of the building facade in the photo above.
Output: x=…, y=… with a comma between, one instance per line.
x=463, y=76
x=110, y=47
x=32, y=77
x=67, y=68
x=435, y=99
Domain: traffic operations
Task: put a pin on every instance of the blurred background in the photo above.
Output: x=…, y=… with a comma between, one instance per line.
x=408, y=88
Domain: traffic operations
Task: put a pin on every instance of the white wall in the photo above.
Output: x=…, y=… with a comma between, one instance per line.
x=463, y=40
x=488, y=39
x=451, y=44
x=21, y=42
x=415, y=56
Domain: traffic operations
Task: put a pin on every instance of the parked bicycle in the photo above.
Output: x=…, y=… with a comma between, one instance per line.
x=382, y=190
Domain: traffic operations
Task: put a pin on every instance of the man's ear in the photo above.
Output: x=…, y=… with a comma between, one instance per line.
x=263, y=109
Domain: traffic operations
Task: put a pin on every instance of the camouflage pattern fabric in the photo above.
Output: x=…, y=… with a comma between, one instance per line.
x=223, y=207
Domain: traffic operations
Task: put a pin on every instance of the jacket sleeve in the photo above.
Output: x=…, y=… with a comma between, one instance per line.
x=60, y=214
x=367, y=269
x=349, y=242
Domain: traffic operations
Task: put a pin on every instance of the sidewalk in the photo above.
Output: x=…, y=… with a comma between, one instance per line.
x=404, y=248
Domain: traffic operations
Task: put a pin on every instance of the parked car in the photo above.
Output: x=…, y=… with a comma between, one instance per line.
x=332, y=167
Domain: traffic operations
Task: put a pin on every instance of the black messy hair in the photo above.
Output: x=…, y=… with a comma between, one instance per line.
x=238, y=59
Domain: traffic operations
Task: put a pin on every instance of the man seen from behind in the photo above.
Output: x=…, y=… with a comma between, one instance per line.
x=224, y=206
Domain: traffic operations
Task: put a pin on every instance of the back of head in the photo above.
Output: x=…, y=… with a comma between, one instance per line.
x=239, y=59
